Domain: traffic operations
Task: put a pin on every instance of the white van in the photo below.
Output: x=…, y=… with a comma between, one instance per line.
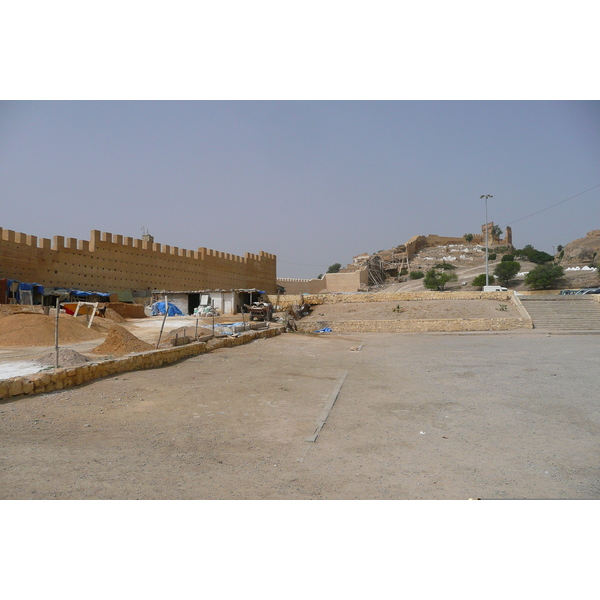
x=494, y=288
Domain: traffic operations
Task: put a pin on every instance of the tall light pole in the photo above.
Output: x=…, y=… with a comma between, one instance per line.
x=487, y=274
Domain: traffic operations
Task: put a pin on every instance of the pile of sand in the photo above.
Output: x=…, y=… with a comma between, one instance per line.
x=113, y=315
x=120, y=341
x=66, y=358
x=29, y=330
x=204, y=333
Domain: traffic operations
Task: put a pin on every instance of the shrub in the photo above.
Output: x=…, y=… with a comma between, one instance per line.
x=492, y=256
x=417, y=275
x=508, y=258
x=445, y=266
x=434, y=280
x=506, y=270
x=544, y=277
x=479, y=281
x=532, y=255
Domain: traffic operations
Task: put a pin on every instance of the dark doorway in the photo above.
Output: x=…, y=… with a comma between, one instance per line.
x=193, y=302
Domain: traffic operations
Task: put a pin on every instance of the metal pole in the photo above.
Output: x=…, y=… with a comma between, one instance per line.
x=243, y=318
x=163, y=323
x=487, y=273
x=487, y=276
x=56, y=330
x=212, y=305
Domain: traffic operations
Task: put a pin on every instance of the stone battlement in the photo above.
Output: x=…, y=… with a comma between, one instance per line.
x=113, y=262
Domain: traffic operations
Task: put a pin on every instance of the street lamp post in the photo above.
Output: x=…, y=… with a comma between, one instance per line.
x=487, y=274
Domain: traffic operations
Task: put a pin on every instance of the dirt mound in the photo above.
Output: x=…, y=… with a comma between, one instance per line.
x=113, y=315
x=66, y=358
x=120, y=341
x=168, y=339
x=28, y=330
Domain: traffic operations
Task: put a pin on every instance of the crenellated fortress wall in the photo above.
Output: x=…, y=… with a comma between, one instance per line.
x=110, y=262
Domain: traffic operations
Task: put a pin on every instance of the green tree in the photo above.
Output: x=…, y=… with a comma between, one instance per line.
x=468, y=237
x=479, y=281
x=417, y=275
x=436, y=280
x=508, y=258
x=544, y=277
x=334, y=268
x=496, y=232
x=506, y=270
x=529, y=253
x=559, y=248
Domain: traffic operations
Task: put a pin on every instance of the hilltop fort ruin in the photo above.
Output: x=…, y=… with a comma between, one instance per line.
x=367, y=269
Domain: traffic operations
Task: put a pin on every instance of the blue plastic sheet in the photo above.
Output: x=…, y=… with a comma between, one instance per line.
x=324, y=330
x=158, y=308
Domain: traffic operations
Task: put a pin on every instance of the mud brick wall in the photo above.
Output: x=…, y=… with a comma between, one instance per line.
x=128, y=311
x=331, y=282
x=109, y=262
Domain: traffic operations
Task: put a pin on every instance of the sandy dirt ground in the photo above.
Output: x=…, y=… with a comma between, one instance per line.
x=417, y=416
x=422, y=309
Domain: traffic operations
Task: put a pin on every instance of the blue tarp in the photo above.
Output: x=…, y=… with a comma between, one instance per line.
x=158, y=308
x=36, y=288
x=324, y=330
x=82, y=294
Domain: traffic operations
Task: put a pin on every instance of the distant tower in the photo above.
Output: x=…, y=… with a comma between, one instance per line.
x=146, y=237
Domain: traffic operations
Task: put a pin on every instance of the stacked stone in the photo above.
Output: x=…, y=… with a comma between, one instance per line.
x=59, y=379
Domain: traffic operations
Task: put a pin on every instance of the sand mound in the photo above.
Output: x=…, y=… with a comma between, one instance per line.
x=28, y=330
x=66, y=358
x=168, y=339
x=113, y=315
x=120, y=341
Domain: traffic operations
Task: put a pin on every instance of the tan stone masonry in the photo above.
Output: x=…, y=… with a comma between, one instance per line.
x=524, y=321
x=58, y=379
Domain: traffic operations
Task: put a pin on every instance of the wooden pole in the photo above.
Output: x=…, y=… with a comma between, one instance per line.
x=163, y=323
x=244, y=319
x=212, y=305
x=56, y=330
x=93, y=313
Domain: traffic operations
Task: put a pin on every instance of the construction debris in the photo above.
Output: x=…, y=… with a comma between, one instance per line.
x=66, y=358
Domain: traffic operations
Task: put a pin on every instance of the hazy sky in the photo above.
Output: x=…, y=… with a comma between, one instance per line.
x=314, y=182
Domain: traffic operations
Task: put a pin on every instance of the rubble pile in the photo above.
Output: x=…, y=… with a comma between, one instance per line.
x=66, y=358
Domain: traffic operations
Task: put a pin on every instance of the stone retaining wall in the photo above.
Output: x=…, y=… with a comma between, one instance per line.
x=58, y=379
x=418, y=325
x=522, y=322
x=288, y=300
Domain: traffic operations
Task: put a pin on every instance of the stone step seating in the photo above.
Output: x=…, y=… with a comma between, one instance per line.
x=565, y=313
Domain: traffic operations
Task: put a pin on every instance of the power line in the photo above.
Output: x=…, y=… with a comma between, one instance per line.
x=553, y=205
x=285, y=262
